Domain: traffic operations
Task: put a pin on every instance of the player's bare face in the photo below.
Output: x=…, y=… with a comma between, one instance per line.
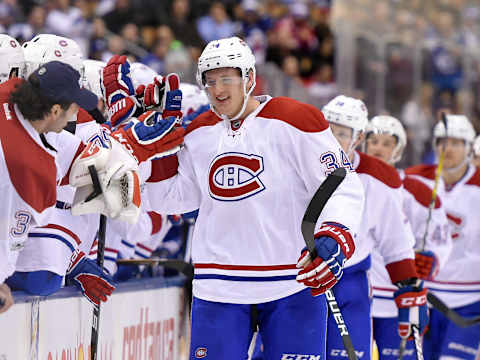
x=381, y=146
x=225, y=89
x=455, y=151
x=343, y=134
x=60, y=118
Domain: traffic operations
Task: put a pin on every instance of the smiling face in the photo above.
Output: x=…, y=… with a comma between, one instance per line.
x=225, y=90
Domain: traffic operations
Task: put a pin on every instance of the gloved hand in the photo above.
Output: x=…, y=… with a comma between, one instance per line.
x=411, y=301
x=426, y=264
x=118, y=90
x=334, y=245
x=151, y=136
x=165, y=94
x=85, y=274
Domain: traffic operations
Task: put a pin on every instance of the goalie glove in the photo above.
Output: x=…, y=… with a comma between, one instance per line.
x=92, y=281
x=334, y=245
x=118, y=176
x=119, y=93
x=411, y=301
x=150, y=136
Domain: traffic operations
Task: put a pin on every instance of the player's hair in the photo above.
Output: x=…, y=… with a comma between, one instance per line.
x=31, y=102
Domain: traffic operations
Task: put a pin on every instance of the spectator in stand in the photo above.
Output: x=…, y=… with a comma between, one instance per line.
x=156, y=59
x=215, y=25
x=121, y=14
x=98, y=42
x=180, y=21
x=35, y=25
x=68, y=21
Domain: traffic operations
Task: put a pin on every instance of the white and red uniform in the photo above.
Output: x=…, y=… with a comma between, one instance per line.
x=416, y=200
x=252, y=186
x=458, y=281
x=29, y=173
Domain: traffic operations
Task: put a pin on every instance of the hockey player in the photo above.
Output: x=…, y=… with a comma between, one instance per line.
x=458, y=282
x=386, y=139
x=383, y=228
x=250, y=165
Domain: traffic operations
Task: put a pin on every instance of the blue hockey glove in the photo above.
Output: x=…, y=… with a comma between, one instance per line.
x=411, y=301
x=85, y=274
x=334, y=245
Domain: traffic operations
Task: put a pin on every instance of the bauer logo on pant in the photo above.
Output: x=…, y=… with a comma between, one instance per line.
x=235, y=176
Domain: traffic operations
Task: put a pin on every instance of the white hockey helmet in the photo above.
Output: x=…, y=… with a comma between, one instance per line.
x=228, y=53
x=347, y=111
x=384, y=124
x=142, y=74
x=92, y=76
x=47, y=47
x=458, y=126
x=12, y=57
x=192, y=98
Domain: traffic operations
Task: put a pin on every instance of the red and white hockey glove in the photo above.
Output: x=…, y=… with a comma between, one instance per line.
x=150, y=136
x=165, y=94
x=85, y=274
x=334, y=245
x=426, y=264
x=411, y=301
x=118, y=90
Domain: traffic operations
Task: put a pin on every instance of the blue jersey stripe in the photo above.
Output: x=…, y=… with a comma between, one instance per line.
x=124, y=242
x=53, y=236
x=141, y=255
x=244, y=278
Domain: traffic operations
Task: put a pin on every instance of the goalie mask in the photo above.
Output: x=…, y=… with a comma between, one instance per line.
x=228, y=53
x=13, y=60
x=384, y=124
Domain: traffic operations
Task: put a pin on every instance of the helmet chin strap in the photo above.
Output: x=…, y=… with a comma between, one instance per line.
x=224, y=117
x=351, y=148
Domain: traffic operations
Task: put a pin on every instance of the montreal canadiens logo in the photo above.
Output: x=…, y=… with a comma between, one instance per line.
x=200, y=352
x=235, y=176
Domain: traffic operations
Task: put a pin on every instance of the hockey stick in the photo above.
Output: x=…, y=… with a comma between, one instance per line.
x=315, y=207
x=438, y=174
x=451, y=314
x=179, y=265
x=100, y=258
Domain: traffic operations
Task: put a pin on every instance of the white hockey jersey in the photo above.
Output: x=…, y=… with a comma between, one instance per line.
x=416, y=200
x=28, y=173
x=458, y=281
x=252, y=186
x=384, y=231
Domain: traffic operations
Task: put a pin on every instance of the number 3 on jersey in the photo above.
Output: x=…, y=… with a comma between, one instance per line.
x=22, y=223
x=329, y=159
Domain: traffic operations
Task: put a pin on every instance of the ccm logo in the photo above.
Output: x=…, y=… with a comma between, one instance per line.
x=413, y=301
x=200, y=353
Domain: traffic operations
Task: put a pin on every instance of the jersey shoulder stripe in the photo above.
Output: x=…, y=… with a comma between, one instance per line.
x=304, y=117
x=379, y=170
x=421, y=192
x=423, y=170
x=207, y=118
x=31, y=168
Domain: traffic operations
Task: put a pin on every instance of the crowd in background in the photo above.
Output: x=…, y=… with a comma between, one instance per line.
x=409, y=58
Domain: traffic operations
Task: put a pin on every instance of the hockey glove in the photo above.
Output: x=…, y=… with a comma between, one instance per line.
x=151, y=136
x=334, y=245
x=85, y=274
x=411, y=301
x=118, y=90
x=165, y=94
x=426, y=264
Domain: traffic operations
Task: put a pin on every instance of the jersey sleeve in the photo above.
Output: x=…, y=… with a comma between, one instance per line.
x=314, y=156
x=172, y=187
